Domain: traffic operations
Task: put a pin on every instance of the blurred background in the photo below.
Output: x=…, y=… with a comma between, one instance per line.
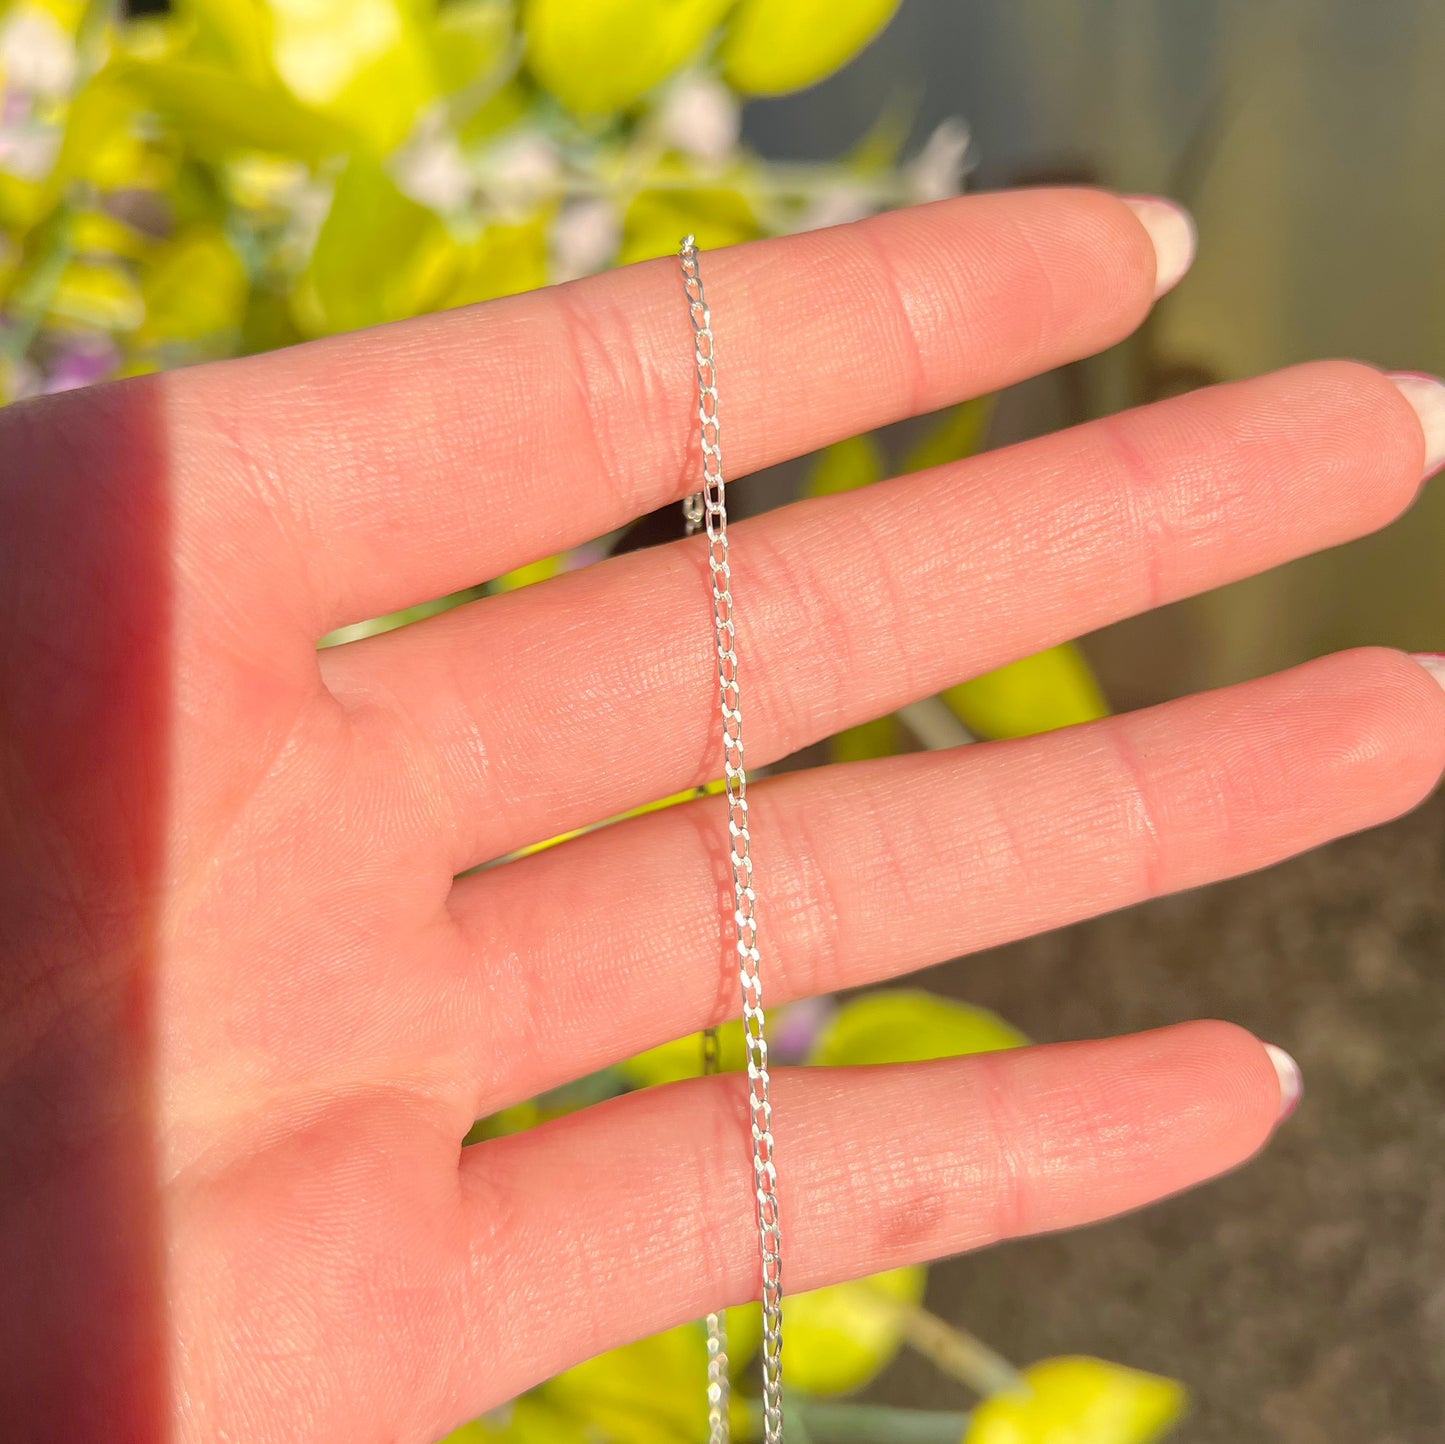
x=1308, y=138
x=218, y=176
x=1303, y=1300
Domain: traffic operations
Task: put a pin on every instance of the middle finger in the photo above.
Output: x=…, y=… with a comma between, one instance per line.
x=524, y=715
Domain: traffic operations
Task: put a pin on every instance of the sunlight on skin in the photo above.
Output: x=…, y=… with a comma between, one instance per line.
x=247, y=1016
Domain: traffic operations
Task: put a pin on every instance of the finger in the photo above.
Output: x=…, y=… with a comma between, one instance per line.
x=571, y=701
x=873, y=870
x=400, y=464
x=878, y=1167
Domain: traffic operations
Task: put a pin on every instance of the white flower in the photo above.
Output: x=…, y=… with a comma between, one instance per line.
x=520, y=173
x=37, y=56
x=585, y=238
x=28, y=149
x=836, y=205
x=701, y=117
x=937, y=171
x=434, y=171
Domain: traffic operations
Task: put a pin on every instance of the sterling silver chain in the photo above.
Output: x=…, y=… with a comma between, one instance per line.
x=707, y=510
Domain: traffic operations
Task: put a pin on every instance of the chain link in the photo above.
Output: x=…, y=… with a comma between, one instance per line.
x=707, y=509
x=719, y=1383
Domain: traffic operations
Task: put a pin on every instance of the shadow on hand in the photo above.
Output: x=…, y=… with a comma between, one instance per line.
x=85, y=685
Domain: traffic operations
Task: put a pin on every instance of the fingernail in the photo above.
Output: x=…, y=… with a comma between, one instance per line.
x=1291, y=1080
x=1171, y=228
x=1427, y=395
x=1433, y=663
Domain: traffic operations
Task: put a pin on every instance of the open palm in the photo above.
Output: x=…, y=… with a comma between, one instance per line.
x=248, y=1009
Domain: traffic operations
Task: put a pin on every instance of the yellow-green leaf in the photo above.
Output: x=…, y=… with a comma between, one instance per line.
x=99, y=125
x=657, y=220
x=960, y=433
x=840, y=1338
x=379, y=257
x=682, y=1058
x=502, y=262
x=880, y=738
x=218, y=113
x=233, y=33
x=881, y=146
x=1035, y=694
x=647, y=1393
x=1080, y=1401
x=97, y=233
x=528, y=1420
x=96, y=296
x=194, y=289
x=367, y=63
x=529, y=575
x=906, y=1025
x=600, y=56
x=845, y=466
x=774, y=46
x=469, y=38
x=21, y=205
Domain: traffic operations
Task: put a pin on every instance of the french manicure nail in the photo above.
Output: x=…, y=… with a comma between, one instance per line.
x=1171, y=228
x=1427, y=395
x=1291, y=1080
x=1433, y=663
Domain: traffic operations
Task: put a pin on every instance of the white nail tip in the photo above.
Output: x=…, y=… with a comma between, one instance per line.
x=1171, y=228
x=1427, y=396
x=1433, y=663
x=1291, y=1080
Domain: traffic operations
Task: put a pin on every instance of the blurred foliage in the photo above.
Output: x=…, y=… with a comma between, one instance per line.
x=236, y=175
x=899, y=1025
x=1080, y=1401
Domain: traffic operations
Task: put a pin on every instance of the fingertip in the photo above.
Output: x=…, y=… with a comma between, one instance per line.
x=1173, y=235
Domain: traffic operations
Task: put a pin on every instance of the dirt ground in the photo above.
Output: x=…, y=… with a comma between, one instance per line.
x=1303, y=1298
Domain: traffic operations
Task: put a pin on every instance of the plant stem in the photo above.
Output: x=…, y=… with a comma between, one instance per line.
x=824, y=1423
x=959, y=1354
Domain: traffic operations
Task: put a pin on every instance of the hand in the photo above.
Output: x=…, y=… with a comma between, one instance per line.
x=247, y=1014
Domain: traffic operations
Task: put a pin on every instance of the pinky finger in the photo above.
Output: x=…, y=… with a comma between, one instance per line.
x=637, y=1214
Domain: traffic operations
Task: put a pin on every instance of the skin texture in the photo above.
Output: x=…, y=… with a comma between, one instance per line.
x=246, y=1014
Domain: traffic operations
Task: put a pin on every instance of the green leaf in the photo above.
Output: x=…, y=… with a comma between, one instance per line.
x=601, y=56
x=97, y=296
x=194, y=289
x=880, y=738
x=960, y=433
x=650, y=1392
x=218, y=113
x=379, y=257
x=1080, y=1401
x=1035, y=694
x=502, y=262
x=880, y=148
x=528, y=1420
x=658, y=219
x=235, y=34
x=682, y=1058
x=21, y=203
x=840, y=1338
x=845, y=466
x=774, y=46
x=101, y=121
x=469, y=39
x=367, y=63
x=905, y=1025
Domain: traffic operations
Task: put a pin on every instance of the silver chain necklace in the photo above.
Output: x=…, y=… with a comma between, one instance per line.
x=707, y=510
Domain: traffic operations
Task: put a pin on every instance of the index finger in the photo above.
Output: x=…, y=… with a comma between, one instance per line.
x=418, y=458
